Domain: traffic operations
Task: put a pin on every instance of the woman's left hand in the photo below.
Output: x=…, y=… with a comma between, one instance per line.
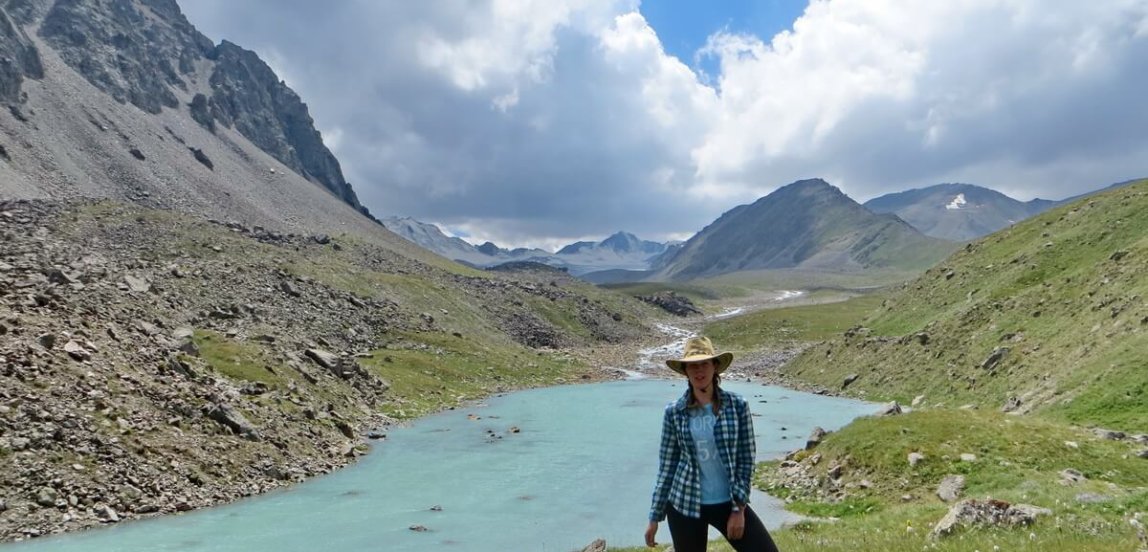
x=735, y=527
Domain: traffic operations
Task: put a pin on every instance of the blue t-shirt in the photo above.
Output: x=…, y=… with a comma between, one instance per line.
x=714, y=477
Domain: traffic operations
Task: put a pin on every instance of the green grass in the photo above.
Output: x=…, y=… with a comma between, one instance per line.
x=1018, y=459
x=431, y=371
x=235, y=359
x=1063, y=292
x=789, y=325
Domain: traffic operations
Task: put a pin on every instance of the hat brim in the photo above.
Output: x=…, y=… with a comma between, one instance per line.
x=721, y=362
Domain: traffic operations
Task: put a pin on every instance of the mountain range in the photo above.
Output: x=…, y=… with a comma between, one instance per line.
x=957, y=212
x=620, y=251
x=807, y=225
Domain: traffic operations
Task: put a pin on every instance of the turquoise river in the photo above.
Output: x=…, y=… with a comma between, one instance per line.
x=581, y=467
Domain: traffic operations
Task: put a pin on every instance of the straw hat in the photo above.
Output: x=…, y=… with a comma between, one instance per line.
x=698, y=349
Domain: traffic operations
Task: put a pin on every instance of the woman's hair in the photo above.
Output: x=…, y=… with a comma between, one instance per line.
x=693, y=402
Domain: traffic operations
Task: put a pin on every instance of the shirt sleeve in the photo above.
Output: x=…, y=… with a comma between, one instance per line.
x=743, y=471
x=669, y=453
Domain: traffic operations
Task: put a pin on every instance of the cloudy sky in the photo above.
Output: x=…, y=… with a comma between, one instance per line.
x=542, y=122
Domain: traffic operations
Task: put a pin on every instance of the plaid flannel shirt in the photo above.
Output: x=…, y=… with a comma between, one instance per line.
x=679, y=474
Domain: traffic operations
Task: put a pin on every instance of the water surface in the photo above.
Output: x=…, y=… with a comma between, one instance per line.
x=581, y=467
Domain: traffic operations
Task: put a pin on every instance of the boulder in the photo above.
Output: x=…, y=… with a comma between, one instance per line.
x=1071, y=477
x=107, y=513
x=951, y=488
x=915, y=458
x=47, y=340
x=1109, y=434
x=996, y=513
x=136, y=284
x=596, y=546
x=47, y=497
x=994, y=358
x=234, y=420
x=891, y=409
x=323, y=358
x=76, y=351
x=815, y=438
x=849, y=380
x=1011, y=404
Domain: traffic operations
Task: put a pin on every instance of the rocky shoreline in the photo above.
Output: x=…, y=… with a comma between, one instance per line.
x=152, y=364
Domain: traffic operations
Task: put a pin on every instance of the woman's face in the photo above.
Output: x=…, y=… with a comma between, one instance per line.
x=701, y=374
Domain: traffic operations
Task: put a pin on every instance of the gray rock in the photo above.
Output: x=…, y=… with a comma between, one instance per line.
x=1071, y=477
x=596, y=546
x=289, y=289
x=47, y=497
x=995, y=513
x=107, y=513
x=815, y=438
x=994, y=358
x=1011, y=404
x=891, y=409
x=1109, y=434
x=951, y=488
x=76, y=351
x=323, y=358
x=136, y=284
x=915, y=458
x=849, y=380
x=47, y=340
x=233, y=419
x=968, y=457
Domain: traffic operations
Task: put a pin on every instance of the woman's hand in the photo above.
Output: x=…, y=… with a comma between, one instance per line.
x=651, y=530
x=735, y=527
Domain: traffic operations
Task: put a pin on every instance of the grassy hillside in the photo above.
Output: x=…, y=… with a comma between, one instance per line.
x=1050, y=311
x=881, y=503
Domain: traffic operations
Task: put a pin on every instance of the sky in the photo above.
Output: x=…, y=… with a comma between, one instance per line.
x=543, y=122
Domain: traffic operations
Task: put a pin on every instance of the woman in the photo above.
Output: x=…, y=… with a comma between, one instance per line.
x=706, y=460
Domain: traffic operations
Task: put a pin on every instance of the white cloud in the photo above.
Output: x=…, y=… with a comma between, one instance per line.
x=894, y=93
x=545, y=121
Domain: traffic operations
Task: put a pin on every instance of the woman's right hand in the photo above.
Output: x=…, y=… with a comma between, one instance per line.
x=651, y=530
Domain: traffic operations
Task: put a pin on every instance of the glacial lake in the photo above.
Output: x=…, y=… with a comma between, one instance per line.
x=581, y=467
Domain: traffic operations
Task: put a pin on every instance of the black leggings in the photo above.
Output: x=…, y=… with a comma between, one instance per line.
x=691, y=534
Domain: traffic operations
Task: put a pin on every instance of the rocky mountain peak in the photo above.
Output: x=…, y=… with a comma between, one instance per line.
x=147, y=54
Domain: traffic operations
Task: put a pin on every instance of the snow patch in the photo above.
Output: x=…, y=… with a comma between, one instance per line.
x=957, y=203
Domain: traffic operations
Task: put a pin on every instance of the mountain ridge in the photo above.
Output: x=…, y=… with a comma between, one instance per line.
x=619, y=251
x=808, y=224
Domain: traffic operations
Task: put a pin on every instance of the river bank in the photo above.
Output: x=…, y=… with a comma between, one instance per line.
x=153, y=363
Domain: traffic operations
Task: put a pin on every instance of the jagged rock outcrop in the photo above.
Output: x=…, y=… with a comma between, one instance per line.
x=135, y=51
x=18, y=59
x=147, y=54
x=249, y=96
